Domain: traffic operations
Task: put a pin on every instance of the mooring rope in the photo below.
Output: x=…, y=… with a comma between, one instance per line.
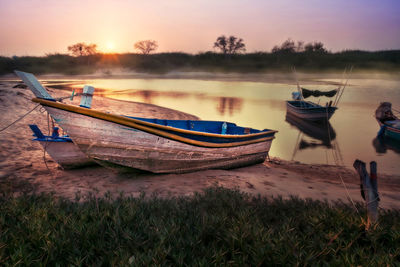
x=20, y=118
x=336, y=163
x=45, y=145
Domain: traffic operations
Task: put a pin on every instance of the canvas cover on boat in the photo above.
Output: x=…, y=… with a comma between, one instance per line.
x=317, y=93
x=384, y=112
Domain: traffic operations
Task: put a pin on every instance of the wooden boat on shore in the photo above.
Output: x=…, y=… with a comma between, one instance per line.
x=389, y=123
x=159, y=146
x=61, y=149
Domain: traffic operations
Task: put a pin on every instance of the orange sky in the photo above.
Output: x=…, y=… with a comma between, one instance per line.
x=37, y=27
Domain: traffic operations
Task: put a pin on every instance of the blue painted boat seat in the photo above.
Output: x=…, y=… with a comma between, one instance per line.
x=36, y=131
x=41, y=137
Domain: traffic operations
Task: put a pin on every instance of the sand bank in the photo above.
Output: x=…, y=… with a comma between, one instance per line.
x=23, y=164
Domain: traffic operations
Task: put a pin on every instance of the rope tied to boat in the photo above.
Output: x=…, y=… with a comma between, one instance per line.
x=46, y=144
x=341, y=178
x=20, y=118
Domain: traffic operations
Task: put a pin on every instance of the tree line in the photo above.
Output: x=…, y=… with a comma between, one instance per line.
x=230, y=45
x=229, y=55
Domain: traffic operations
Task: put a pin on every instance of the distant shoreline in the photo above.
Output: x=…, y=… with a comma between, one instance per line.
x=164, y=63
x=270, y=77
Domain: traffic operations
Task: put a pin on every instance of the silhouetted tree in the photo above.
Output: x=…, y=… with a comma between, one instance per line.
x=300, y=47
x=82, y=49
x=315, y=47
x=287, y=46
x=146, y=46
x=231, y=45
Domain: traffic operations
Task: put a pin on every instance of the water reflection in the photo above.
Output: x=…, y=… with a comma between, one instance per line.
x=145, y=96
x=225, y=105
x=382, y=145
x=229, y=104
x=314, y=135
x=323, y=132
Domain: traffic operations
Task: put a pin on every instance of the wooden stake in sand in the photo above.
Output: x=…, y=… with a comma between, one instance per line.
x=369, y=189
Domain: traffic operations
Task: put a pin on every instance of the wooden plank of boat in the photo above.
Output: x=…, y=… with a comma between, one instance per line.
x=309, y=111
x=62, y=150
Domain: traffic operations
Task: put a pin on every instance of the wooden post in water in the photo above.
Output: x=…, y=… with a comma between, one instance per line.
x=375, y=195
x=369, y=189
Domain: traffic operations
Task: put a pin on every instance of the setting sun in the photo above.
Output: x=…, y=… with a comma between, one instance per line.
x=110, y=47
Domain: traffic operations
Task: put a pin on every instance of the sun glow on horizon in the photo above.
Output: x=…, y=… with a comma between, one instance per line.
x=110, y=47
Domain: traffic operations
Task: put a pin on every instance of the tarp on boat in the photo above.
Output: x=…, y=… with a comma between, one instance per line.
x=384, y=112
x=317, y=93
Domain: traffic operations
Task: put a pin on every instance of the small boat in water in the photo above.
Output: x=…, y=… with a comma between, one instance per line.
x=310, y=111
x=159, y=146
x=389, y=123
x=61, y=149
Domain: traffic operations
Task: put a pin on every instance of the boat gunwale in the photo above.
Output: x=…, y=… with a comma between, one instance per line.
x=149, y=127
x=388, y=127
x=316, y=106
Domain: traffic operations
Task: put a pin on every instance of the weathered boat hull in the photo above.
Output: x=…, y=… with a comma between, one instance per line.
x=390, y=131
x=66, y=154
x=318, y=113
x=118, y=144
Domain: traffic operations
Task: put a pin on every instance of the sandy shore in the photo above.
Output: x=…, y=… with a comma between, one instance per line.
x=23, y=168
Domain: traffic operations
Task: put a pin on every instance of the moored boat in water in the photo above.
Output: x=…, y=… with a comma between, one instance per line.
x=159, y=146
x=389, y=123
x=309, y=111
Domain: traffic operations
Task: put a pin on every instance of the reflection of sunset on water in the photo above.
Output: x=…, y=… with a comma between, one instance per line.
x=229, y=104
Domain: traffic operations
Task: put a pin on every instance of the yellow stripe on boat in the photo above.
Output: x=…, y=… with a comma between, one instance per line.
x=149, y=127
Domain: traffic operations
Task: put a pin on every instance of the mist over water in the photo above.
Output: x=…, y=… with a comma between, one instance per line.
x=261, y=104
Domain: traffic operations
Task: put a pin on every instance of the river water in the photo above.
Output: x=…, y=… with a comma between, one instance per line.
x=351, y=134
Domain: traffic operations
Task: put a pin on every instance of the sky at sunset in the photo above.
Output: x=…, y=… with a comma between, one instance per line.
x=38, y=27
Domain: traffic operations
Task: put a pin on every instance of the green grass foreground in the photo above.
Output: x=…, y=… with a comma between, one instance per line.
x=217, y=227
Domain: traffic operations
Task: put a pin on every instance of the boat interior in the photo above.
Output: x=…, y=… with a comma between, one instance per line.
x=216, y=127
x=308, y=104
x=303, y=104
